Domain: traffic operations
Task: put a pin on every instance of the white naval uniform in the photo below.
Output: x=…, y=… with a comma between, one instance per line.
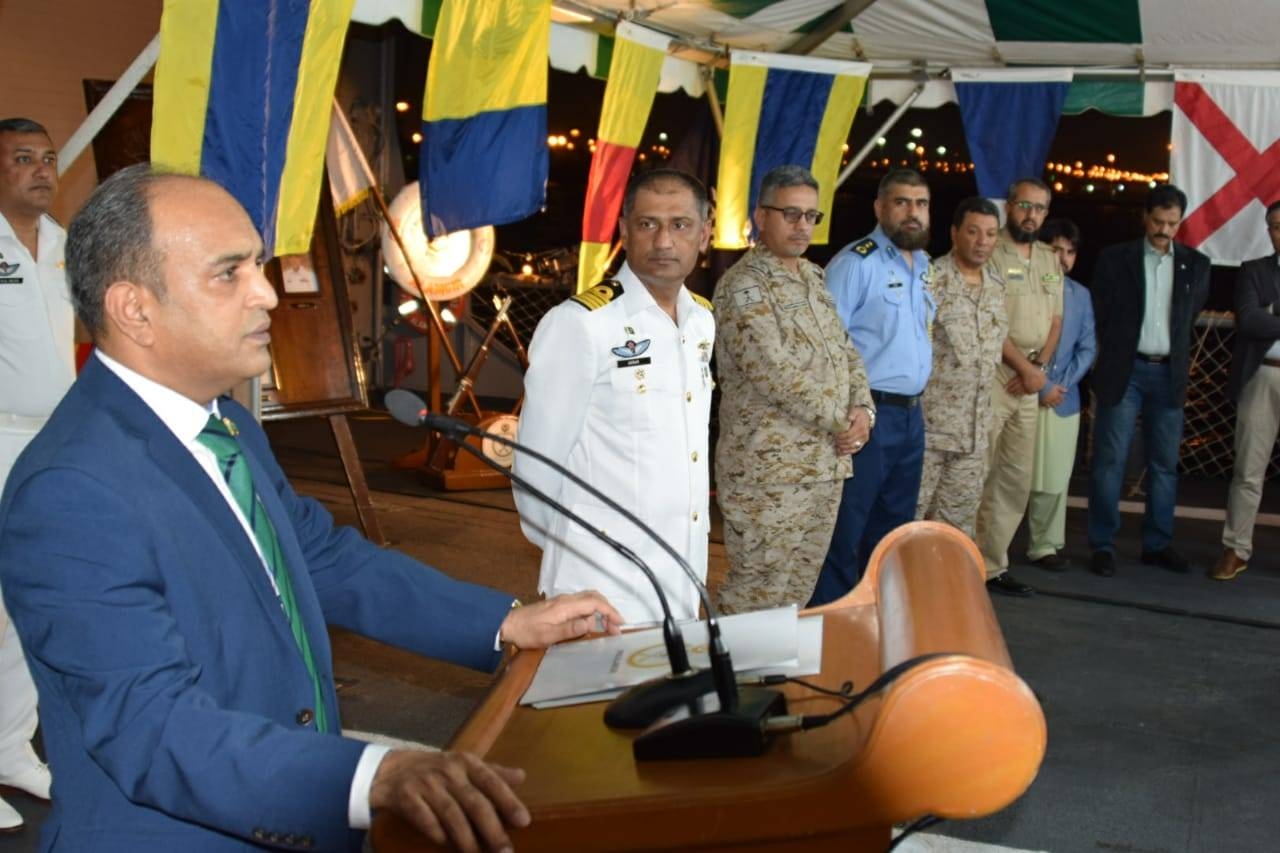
x=37, y=366
x=620, y=395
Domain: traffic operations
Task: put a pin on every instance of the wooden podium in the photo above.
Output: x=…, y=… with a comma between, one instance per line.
x=957, y=737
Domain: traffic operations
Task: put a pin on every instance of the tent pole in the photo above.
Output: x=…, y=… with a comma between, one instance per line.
x=828, y=26
x=717, y=117
x=107, y=107
x=884, y=128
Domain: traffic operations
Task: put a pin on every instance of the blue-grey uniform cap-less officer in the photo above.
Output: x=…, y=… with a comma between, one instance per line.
x=882, y=295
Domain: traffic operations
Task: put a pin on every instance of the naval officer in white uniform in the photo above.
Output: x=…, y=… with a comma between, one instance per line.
x=619, y=391
x=37, y=366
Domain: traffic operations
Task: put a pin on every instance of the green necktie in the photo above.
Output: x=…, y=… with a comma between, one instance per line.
x=220, y=437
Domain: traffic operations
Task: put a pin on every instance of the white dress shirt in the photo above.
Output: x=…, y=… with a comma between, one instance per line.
x=37, y=323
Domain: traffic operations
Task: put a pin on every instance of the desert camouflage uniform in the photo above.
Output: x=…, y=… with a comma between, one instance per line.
x=788, y=376
x=968, y=335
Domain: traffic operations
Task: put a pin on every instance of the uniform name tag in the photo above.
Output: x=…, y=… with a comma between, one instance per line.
x=10, y=281
x=634, y=362
x=894, y=284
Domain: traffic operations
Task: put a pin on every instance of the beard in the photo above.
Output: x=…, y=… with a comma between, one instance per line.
x=1022, y=235
x=907, y=241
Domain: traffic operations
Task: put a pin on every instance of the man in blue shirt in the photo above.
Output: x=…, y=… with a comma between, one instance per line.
x=880, y=285
x=1058, y=421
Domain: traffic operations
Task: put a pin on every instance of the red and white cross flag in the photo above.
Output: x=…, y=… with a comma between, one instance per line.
x=1226, y=157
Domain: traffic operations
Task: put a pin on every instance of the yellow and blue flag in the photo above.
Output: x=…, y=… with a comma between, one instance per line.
x=243, y=93
x=483, y=158
x=782, y=110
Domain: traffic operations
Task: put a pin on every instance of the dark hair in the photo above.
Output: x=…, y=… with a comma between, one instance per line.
x=109, y=240
x=1060, y=228
x=21, y=125
x=974, y=204
x=781, y=177
x=907, y=177
x=1023, y=182
x=651, y=179
x=1166, y=195
x=1273, y=207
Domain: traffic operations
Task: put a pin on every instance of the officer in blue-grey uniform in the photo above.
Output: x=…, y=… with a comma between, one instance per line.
x=881, y=290
x=619, y=390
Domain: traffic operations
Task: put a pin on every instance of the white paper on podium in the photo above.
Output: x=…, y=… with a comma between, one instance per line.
x=598, y=669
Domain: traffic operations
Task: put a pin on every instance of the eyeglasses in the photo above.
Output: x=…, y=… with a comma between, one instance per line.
x=1031, y=205
x=793, y=214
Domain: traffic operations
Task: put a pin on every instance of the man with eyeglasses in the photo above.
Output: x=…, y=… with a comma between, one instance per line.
x=881, y=289
x=1033, y=302
x=794, y=404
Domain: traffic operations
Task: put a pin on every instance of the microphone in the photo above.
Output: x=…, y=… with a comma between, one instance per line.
x=728, y=723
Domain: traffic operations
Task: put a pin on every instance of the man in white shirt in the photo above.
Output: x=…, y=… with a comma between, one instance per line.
x=173, y=591
x=619, y=390
x=36, y=367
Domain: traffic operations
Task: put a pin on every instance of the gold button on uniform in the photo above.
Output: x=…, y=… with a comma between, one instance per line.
x=695, y=516
x=688, y=396
x=694, y=456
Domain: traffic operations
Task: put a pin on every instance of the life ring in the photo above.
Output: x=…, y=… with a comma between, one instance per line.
x=448, y=266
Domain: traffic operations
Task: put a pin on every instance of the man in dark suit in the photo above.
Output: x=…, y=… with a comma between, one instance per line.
x=172, y=590
x=1254, y=386
x=1146, y=295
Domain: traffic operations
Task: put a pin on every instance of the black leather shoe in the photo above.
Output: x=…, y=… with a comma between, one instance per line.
x=1167, y=559
x=1103, y=563
x=1006, y=585
x=1053, y=562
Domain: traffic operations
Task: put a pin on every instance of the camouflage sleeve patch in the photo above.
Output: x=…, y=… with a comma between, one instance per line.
x=747, y=296
x=599, y=296
x=866, y=247
x=702, y=300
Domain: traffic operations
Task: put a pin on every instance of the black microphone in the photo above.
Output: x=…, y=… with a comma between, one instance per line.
x=731, y=722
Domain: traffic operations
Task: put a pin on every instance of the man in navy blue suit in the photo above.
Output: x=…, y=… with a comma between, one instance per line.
x=172, y=590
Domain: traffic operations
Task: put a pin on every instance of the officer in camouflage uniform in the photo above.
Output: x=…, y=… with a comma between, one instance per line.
x=795, y=404
x=968, y=334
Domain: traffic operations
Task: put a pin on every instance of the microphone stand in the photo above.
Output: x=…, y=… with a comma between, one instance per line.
x=731, y=724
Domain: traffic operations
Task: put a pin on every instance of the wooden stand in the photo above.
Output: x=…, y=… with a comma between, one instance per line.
x=958, y=737
x=454, y=469
x=356, y=482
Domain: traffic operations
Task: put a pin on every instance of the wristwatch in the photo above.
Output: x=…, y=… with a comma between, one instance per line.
x=871, y=415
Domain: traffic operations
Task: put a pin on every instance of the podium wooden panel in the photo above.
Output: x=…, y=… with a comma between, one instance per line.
x=958, y=737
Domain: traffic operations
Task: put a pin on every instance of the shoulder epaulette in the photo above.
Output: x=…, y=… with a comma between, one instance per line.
x=702, y=300
x=599, y=296
x=866, y=247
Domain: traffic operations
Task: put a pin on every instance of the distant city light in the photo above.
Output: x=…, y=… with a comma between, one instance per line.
x=917, y=132
x=402, y=106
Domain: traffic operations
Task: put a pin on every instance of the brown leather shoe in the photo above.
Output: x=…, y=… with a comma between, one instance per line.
x=1228, y=566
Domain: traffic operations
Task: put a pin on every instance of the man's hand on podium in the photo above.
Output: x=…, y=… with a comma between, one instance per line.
x=454, y=798
x=565, y=617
